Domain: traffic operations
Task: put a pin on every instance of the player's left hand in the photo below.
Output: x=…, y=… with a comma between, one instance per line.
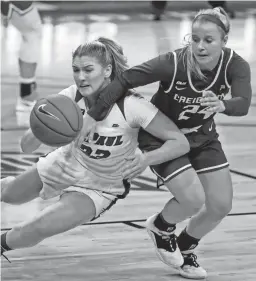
x=135, y=165
x=87, y=131
x=212, y=101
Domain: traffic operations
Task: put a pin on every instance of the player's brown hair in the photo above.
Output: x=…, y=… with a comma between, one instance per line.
x=107, y=52
x=217, y=16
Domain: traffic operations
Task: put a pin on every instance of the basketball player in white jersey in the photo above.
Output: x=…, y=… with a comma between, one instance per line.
x=90, y=178
x=24, y=16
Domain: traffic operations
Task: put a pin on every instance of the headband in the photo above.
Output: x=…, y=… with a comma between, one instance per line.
x=213, y=19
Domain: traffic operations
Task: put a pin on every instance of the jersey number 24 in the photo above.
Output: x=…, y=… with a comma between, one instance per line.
x=194, y=109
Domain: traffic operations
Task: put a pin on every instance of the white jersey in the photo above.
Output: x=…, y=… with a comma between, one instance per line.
x=115, y=138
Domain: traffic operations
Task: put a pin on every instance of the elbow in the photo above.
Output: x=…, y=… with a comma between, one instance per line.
x=241, y=112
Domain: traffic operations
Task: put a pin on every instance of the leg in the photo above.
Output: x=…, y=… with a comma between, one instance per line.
x=71, y=210
x=188, y=197
x=219, y=195
x=212, y=167
x=179, y=177
x=223, y=4
x=215, y=4
x=218, y=203
x=29, y=25
x=27, y=20
x=21, y=189
x=158, y=9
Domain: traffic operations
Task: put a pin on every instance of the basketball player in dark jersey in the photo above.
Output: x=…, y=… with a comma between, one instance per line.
x=193, y=83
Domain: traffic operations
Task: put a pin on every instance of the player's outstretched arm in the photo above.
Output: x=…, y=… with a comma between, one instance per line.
x=160, y=68
x=29, y=142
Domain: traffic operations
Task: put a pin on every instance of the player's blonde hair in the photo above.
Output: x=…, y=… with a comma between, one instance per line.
x=217, y=16
x=107, y=52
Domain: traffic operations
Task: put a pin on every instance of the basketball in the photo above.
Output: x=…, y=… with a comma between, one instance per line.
x=56, y=120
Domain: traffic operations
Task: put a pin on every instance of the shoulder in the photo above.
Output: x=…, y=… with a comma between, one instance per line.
x=69, y=92
x=136, y=103
x=167, y=58
x=138, y=111
x=133, y=99
x=137, y=106
x=238, y=65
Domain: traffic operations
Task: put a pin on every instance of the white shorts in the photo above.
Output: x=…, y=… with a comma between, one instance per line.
x=59, y=173
x=102, y=201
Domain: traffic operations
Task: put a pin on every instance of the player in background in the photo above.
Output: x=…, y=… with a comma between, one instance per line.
x=193, y=83
x=25, y=17
x=92, y=177
x=224, y=5
x=158, y=8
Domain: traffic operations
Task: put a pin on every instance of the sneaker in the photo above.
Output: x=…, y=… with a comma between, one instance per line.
x=165, y=244
x=191, y=269
x=4, y=182
x=24, y=105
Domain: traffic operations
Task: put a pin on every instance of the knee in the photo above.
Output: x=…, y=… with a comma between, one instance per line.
x=193, y=200
x=219, y=209
x=188, y=192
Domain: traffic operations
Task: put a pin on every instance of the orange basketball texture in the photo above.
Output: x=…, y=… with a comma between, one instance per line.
x=56, y=120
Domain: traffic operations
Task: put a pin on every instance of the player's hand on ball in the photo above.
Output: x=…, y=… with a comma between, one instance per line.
x=87, y=130
x=135, y=165
x=212, y=101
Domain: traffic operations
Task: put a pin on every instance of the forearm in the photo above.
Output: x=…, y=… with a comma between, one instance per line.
x=115, y=90
x=239, y=74
x=158, y=69
x=29, y=142
x=237, y=106
x=171, y=149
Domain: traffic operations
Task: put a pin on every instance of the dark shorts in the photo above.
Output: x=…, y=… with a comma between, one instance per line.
x=21, y=7
x=206, y=153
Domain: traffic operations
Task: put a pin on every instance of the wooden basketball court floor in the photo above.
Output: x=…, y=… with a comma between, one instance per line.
x=116, y=247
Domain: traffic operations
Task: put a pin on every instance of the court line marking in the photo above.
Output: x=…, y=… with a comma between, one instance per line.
x=133, y=222
x=71, y=255
x=134, y=225
x=242, y=174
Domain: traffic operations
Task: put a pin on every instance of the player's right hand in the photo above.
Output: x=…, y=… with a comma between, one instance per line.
x=87, y=130
x=134, y=166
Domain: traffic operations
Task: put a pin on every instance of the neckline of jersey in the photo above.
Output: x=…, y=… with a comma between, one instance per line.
x=214, y=80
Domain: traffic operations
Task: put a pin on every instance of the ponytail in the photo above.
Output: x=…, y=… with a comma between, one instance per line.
x=107, y=52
